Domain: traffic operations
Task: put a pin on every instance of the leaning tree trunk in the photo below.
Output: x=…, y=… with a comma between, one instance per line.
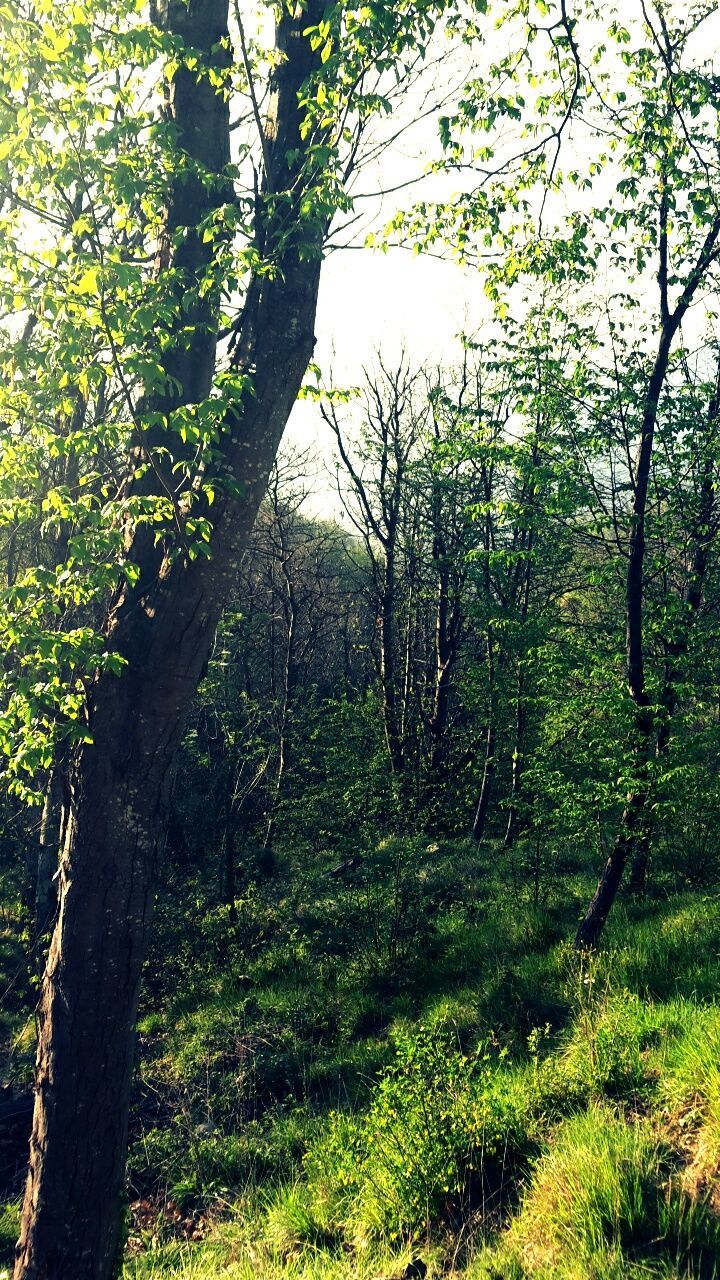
x=633, y=827
x=163, y=628
x=633, y=835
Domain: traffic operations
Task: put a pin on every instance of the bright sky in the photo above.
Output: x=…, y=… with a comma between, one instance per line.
x=392, y=300
x=399, y=300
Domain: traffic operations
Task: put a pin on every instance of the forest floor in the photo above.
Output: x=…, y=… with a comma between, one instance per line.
x=401, y=1068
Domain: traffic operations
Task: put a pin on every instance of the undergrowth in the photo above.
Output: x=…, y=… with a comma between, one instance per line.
x=410, y=1063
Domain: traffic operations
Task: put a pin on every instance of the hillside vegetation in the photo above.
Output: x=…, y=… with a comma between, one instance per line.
x=360, y=781
x=366, y=1069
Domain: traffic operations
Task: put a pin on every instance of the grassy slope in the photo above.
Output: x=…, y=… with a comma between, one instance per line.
x=542, y=1119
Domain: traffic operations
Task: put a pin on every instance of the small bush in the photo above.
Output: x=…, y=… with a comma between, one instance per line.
x=441, y=1125
x=333, y=1163
x=605, y=1052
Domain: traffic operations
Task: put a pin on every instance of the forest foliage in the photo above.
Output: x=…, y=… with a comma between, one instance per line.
x=456, y=675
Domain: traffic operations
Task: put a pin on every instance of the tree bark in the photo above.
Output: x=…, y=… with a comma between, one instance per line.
x=597, y=913
x=163, y=628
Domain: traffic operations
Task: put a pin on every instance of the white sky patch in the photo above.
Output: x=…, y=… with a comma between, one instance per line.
x=394, y=302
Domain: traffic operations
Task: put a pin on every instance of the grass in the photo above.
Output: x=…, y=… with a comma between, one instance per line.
x=234, y=1259
x=603, y=1201
x=415, y=1063
x=467, y=1090
x=9, y=1230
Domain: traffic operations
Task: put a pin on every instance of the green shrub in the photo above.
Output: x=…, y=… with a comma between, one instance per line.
x=440, y=1123
x=333, y=1163
x=605, y=1050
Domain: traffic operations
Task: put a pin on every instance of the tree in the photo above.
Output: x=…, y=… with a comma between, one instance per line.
x=672, y=129
x=377, y=479
x=642, y=102
x=300, y=562
x=152, y=219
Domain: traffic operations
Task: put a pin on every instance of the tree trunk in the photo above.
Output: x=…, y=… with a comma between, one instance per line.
x=163, y=627
x=634, y=827
x=388, y=678
x=483, y=804
x=597, y=913
x=514, y=824
x=633, y=834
